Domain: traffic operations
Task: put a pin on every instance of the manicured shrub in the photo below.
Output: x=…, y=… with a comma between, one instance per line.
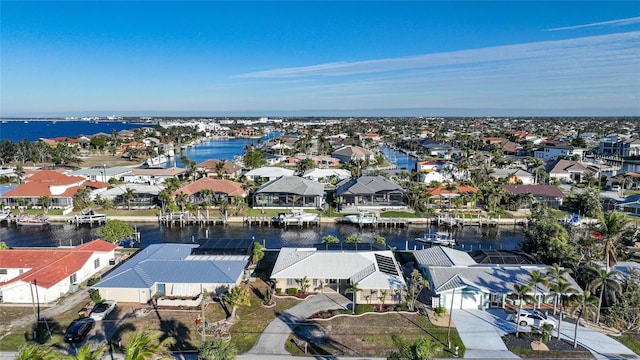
x=440, y=310
x=364, y=308
x=278, y=290
x=292, y=291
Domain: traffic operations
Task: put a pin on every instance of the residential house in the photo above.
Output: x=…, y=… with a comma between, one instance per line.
x=457, y=281
x=370, y=192
x=558, y=151
x=349, y=153
x=290, y=191
x=318, y=160
x=103, y=173
x=326, y=176
x=43, y=275
x=212, y=167
x=59, y=187
x=221, y=190
x=619, y=145
x=630, y=205
x=372, y=271
x=154, y=176
x=448, y=195
x=568, y=171
x=444, y=151
x=268, y=173
x=436, y=170
x=171, y=272
x=546, y=194
x=513, y=176
x=145, y=196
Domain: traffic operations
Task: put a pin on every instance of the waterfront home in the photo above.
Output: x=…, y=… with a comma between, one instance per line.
x=329, y=270
x=568, y=171
x=457, y=281
x=173, y=274
x=370, y=192
x=268, y=173
x=554, y=152
x=619, y=145
x=138, y=196
x=546, y=194
x=43, y=275
x=59, y=187
x=630, y=205
x=215, y=168
x=513, y=176
x=102, y=174
x=326, y=176
x=445, y=195
x=436, y=170
x=210, y=190
x=348, y=153
x=318, y=160
x=290, y=191
x=154, y=176
x=436, y=149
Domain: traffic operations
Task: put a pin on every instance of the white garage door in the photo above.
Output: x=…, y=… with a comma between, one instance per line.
x=466, y=300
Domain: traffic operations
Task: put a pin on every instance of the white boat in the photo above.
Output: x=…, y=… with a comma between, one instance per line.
x=295, y=216
x=437, y=238
x=362, y=218
x=157, y=160
x=4, y=214
x=32, y=220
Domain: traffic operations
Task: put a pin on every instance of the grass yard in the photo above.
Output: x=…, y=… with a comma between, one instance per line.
x=369, y=335
x=399, y=214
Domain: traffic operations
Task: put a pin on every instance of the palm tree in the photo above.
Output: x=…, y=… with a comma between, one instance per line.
x=45, y=202
x=237, y=297
x=561, y=289
x=304, y=284
x=146, y=345
x=329, y=239
x=165, y=198
x=380, y=240
x=32, y=351
x=537, y=277
x=181, y=200
x=606, y=282
x=555, y=273
x=582, y=304
x=129, y=194
x=354, y=239
x=220, y=168
x=522, y=291
x=217, y=349
x=86, y=353
x=353, y=289
x=382, y=297
x=613, y=226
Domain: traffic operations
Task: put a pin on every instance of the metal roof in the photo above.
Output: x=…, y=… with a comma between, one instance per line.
x=292, y=185
x=366, y=185
x=442, y=256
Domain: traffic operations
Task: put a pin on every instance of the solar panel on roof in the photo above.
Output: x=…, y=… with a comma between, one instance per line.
x=386, y=265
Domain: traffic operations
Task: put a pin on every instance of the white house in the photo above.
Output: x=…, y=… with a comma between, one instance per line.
x=324, y=176
x=153, y=176
x=268, y=173
x=102, y=173
x=554, y=152
x=44, y=275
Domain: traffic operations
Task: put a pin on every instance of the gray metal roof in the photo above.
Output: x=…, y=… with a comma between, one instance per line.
x=442, y=256
x=138, y=188
x=173, y=263
x=292, y=185
x=365, y=185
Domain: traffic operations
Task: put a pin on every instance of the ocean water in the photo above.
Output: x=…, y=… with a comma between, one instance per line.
x=17, y=130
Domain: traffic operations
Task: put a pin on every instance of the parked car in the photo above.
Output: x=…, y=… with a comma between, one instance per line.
x=533, y=318
x=102, y=310
x=78, y=329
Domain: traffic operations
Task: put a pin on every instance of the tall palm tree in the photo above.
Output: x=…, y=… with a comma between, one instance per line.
x=353, y=289
x=561, y=290
x=217, y=349
x=537, y=278
x=555, y=273
x=182, y=199
x=86, y=352
x=606, y=282
x=329, y=239
x=45, y=202
x=146, y=345
x=522, y=291
x=33, y=351
x=129, y=194
x=583, y=305
x=237, y=297
x=613, y=225
x=354, y=239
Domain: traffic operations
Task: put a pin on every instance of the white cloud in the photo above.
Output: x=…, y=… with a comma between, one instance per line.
x=619, y=22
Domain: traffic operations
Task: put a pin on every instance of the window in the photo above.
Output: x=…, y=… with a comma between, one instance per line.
x=73, y=279
x=3, y=271
x=292, y=282
x=96, y=263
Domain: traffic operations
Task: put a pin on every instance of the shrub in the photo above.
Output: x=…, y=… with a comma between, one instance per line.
x=440, y=310
x=93, y=281
x=94, y=294
x=292, y=291
x=364, y=308
x=278, y=290
x=336, y=312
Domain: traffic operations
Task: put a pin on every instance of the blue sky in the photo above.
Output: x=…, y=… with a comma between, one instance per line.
x=320, y=58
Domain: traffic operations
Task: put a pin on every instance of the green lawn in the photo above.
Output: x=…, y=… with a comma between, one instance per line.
x=399, y=214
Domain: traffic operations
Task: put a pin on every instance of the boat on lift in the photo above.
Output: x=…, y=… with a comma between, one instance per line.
x=32, y=220
x=363, y=217
x=295, y=216
x=443, y=238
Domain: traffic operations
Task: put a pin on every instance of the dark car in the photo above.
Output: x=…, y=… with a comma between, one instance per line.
x=78, y=329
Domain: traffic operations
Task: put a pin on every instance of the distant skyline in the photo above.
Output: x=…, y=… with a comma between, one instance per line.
x=361, y=58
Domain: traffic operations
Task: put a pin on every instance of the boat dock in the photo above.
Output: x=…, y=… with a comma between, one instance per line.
x=89, y=219
x=180, y=218
x=269, y=221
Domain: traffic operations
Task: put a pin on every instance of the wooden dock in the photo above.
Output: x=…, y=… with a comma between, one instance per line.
x=99, y=219
x=269, y=221
x=187, y=218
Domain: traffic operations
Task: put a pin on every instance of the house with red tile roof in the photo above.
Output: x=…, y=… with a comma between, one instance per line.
x=58, y=186
x=222, y=189
x=228, y=168
x=444, y=194
x=49, y=273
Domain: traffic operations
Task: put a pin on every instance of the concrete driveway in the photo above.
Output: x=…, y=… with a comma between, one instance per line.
x=482, y=332
x=275, y=335
x=601, y=346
